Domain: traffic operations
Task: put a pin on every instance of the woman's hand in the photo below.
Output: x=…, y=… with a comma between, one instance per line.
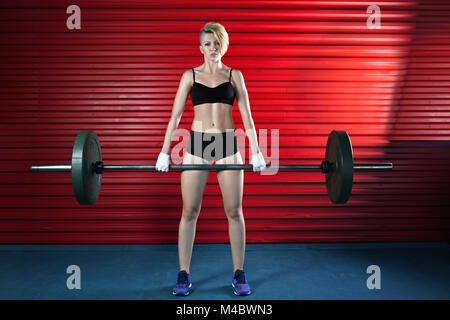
x=163, y=162
x=258, y=162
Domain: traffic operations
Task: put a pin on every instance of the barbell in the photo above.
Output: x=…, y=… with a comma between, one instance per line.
x=87, y=167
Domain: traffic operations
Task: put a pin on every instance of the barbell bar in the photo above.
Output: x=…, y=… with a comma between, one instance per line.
x=87, y=167
x=99, y=167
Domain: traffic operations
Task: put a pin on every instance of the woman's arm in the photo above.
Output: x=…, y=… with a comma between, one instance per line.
x=177, y=109
x=244, y=108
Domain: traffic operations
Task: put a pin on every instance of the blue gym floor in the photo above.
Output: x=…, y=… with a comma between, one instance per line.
x=275, y=271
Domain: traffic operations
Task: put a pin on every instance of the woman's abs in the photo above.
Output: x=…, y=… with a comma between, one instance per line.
x=212, y=117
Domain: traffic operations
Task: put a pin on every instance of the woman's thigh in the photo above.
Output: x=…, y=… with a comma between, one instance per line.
x=231, y=184
x=193, y=183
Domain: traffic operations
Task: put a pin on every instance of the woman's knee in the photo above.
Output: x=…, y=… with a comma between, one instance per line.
x=234, y=213
x=190, y=214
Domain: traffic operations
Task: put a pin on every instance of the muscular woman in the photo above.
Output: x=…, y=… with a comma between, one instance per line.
x=213, y=87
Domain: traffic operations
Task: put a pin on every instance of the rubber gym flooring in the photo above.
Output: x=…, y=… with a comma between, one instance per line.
x=408, y=270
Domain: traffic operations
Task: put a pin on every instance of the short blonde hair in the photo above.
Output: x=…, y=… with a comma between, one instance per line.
x=219, y=32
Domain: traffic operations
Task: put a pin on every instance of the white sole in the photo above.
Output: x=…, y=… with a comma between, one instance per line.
x=182, y=294
x=239, y=295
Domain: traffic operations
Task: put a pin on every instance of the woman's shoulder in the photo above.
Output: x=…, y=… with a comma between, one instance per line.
x=236, y=75
x=187, y=78
x=192, y=72
x=189, y=72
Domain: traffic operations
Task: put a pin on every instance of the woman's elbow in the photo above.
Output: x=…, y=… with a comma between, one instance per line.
x=249, y=124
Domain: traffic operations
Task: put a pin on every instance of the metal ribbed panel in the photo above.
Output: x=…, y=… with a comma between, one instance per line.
x=309, y=67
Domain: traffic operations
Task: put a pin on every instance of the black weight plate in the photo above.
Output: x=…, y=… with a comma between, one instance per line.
x=339, y=179
x=85, y=182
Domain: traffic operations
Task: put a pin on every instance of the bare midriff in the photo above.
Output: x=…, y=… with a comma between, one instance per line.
x=213, y=117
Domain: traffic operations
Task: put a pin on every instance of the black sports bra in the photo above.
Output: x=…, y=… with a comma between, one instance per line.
x=224, y=93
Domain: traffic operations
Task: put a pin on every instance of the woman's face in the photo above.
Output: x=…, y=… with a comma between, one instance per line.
x=210, y=47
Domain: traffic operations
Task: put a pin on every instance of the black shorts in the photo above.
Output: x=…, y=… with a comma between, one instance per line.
x=212, y=146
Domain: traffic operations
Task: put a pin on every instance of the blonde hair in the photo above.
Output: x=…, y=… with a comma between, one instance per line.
x=219, y=32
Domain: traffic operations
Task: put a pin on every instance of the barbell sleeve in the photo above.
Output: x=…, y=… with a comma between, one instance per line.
x=361, y=167
x=51, y=168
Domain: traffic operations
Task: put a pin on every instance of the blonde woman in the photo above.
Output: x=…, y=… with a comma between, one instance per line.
x=213, y=87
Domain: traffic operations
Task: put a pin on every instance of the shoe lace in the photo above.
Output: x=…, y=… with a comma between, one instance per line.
x=182, y=278
x=240, y=276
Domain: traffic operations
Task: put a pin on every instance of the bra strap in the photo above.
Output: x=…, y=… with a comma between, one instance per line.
x=230, y=73
x=193, y=73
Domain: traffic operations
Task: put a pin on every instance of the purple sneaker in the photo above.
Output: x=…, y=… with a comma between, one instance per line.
x=181, y=288
x=240, y=284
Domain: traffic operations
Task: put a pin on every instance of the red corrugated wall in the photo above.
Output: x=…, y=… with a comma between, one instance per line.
x=310, y=67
